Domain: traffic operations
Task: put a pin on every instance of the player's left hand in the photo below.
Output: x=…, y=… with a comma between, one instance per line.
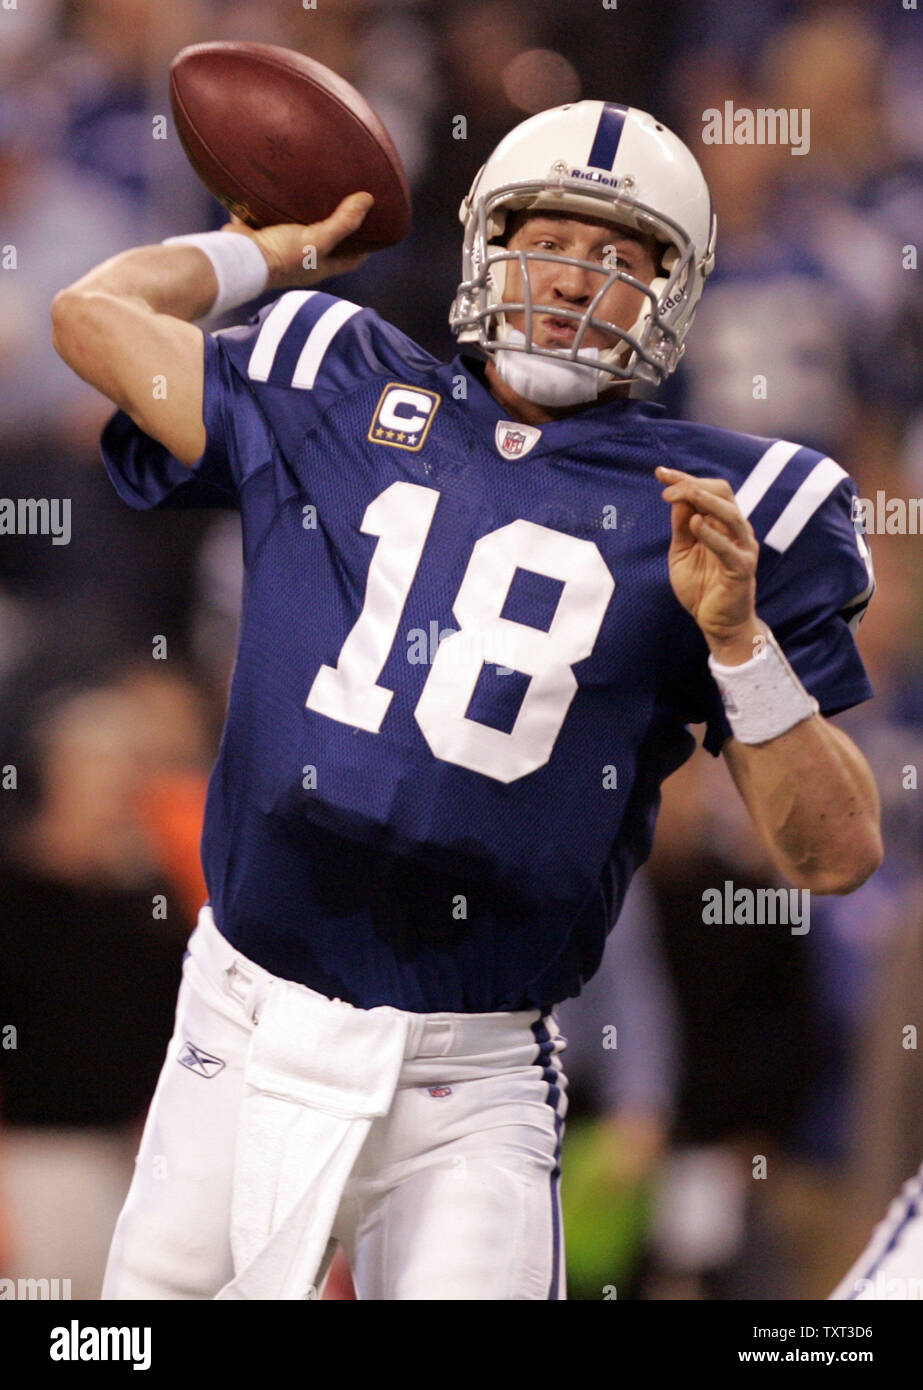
x=713, y=555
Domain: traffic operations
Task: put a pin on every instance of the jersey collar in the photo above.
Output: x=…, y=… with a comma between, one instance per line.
x=480, y=400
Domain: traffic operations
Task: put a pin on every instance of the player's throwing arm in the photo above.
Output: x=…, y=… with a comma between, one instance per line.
x=131, y=322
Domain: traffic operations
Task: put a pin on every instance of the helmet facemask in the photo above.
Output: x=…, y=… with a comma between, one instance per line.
x=646, y=352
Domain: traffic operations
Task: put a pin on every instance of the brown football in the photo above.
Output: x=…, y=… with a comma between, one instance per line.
x=277, y=137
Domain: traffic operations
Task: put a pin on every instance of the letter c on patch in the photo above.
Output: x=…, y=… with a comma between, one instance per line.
x=403, y=395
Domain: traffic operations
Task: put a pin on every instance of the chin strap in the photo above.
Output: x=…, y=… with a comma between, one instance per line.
x=548, y=380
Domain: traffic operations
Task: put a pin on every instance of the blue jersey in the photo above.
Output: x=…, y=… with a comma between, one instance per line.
x=462, y=672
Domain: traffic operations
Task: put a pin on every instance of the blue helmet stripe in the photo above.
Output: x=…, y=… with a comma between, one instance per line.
x=607, y=137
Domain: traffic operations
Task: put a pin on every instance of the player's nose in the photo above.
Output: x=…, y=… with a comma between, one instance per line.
x=572, y=283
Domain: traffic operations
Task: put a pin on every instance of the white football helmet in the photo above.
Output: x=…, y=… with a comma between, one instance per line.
x=614, y=164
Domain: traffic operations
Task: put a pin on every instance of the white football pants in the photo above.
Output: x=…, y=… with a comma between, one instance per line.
x=454, y=1195
x=891, y=1265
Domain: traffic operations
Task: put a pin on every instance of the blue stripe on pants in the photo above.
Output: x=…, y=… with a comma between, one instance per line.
x=551, y=1076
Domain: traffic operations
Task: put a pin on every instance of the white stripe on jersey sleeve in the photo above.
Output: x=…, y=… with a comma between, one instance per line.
x=755, y=486
x=273, y=331
x=815, y=489
x=318, y=341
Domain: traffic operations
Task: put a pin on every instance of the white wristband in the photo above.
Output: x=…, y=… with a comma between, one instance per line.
x=763, y=697
x=239, y=264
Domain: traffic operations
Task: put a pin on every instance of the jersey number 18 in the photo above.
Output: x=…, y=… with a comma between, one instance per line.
x=401, y=517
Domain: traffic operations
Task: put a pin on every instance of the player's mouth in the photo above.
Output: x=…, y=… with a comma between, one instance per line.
x=559, y=332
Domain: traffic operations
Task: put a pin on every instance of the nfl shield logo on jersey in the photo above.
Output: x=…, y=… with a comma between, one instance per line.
x=514, y=439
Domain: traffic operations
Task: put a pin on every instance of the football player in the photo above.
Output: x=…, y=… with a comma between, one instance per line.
x=483, y=601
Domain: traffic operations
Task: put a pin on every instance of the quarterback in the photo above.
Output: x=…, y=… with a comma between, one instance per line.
x=411, y=860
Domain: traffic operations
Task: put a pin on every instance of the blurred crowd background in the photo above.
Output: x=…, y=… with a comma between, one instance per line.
x=733, y=1043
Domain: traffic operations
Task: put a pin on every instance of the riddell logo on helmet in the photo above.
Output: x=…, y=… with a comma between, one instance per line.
x=594, y=176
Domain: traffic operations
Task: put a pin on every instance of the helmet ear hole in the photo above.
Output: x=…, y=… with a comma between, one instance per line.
x=497, y=223
x=668, y=259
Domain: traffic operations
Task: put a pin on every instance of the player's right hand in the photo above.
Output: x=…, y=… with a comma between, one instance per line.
x=298, y=256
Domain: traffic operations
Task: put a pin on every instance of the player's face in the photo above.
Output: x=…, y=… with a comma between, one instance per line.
x=572, y=287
